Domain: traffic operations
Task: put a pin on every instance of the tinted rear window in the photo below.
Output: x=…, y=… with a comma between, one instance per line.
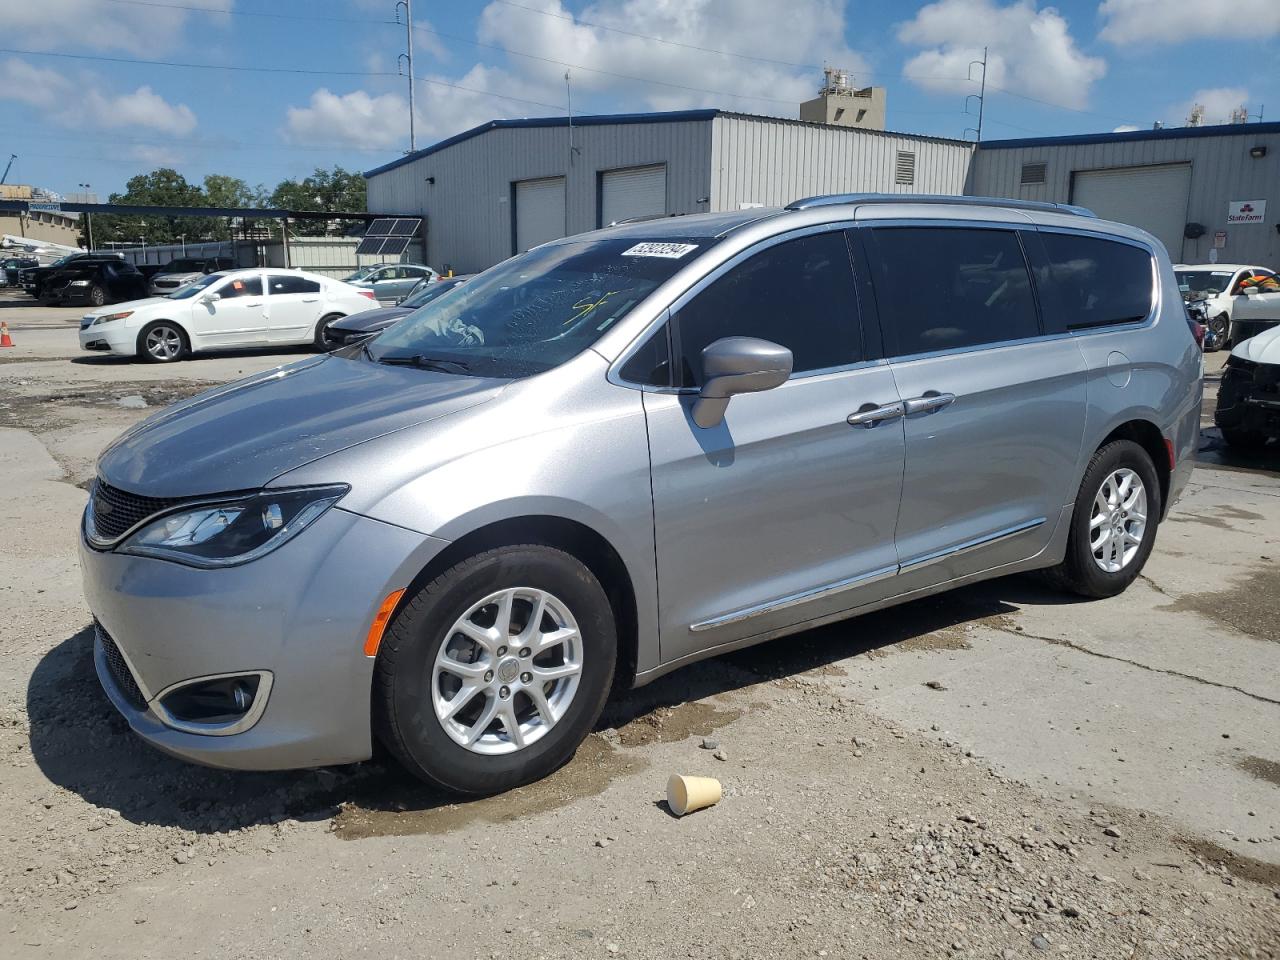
x=950, y=287
x=1092, y=282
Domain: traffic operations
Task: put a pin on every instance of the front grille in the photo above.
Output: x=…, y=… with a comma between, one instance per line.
x=116, y=510
x=120, y=671
x=166, y=283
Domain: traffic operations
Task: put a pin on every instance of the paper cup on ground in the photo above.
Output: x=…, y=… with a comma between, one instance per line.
x=687, y=794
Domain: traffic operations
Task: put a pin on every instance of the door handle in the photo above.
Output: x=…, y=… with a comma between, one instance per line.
x=929, y=402
x=310, y=299
x=869, y=414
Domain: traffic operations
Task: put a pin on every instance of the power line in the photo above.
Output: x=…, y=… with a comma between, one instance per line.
x=249, y=13
x=287, y=70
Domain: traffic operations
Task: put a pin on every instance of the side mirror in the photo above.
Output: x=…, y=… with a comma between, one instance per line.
x=211, y=298
x=733, y=365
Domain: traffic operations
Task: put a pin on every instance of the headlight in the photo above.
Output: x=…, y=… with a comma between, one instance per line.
x=79, y=283
x=235, y=531
x=111, y=316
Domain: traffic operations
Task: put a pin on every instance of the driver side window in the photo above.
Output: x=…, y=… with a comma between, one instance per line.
x=799, y=293
x=242, y=287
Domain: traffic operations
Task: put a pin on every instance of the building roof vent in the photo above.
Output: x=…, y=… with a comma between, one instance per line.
x=1034, y=172
x=904, y=168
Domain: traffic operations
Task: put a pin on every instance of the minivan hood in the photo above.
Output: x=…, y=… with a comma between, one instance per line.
x=1264, y=348
x=243, y=435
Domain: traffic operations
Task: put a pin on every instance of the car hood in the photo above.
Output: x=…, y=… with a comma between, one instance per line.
x=243, y=435
x=371, y=319
x=184, y=277
x=134, y=305
x=1264, y=348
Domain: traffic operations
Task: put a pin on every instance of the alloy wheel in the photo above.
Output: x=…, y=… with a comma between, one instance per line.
x=164, y=343
x=507, y=672
x=1118, y=520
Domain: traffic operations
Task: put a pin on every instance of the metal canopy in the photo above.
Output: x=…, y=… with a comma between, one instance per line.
x=244, y=213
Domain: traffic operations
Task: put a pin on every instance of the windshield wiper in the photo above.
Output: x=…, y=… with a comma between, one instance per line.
x=424, y=362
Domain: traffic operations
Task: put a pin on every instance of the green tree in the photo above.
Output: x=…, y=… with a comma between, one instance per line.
x=163, y=187
x=331, y=191
x=223, y=191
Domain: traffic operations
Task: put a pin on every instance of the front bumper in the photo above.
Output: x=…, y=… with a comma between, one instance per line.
x=1249, y=399
x=112, y=338
x=299, y=614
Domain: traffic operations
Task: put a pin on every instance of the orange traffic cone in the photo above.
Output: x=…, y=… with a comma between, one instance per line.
x=5, y=339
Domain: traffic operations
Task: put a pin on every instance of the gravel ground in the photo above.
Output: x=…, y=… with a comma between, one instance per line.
x=889, y=789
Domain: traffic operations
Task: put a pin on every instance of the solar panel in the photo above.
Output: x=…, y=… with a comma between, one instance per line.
x=369, y=245
x=394, y=246
x=379, y=228
x=404, y=228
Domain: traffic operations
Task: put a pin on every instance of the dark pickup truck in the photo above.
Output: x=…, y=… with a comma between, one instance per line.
x=33, y=279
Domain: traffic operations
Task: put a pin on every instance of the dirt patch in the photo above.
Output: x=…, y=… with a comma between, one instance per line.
x=596, y=764
x=44, y=412
x=1240, y=867
x=952, y=638
x=1262, y=768
x=673, y=724
x=1249, y=606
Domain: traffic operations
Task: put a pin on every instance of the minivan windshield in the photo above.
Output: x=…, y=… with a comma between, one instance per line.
x=1206, y=283
x=537, y=310
x=195, y=286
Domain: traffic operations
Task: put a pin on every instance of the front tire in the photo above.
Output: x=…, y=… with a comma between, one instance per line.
x=163, y=342
x=493, y=673
x=97, y=296
x=1113, y=525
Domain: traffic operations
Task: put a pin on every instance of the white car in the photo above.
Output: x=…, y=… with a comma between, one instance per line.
x=258, y=307
x=1217, y=284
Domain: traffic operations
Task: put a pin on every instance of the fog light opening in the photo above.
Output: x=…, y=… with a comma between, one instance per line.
x=217, y=705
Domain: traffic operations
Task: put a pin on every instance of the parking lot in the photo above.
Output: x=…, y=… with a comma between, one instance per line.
x=997, y=772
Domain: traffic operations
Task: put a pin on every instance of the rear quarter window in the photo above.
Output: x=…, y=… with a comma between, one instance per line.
x=1088, y=282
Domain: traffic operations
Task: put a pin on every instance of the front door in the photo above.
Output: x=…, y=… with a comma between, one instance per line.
x=293, y=308
x=238, y=317
x=784, y=512
x=994, y=409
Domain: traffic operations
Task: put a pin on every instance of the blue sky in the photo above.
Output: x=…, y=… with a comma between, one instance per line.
x=77, y=110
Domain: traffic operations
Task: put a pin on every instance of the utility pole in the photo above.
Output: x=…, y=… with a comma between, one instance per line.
x=88, y=217
x=408, y=35
x=568, y=92
x=981, y=96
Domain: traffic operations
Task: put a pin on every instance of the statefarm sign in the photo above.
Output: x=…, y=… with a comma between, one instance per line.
x=1246, y=211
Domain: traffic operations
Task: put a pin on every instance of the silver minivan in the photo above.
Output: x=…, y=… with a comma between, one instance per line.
x=628, y=450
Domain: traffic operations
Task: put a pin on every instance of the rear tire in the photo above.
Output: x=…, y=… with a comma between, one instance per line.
x=1220, y=326
x=1119, y=499
x=97, y=296
x=1243, y=439
x=470, y=750
x=322, y=342
x=163, y=342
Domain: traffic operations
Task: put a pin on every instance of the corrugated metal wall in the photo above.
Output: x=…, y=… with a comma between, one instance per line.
x=760, y=160
x=468, y=208
x=1221, y=171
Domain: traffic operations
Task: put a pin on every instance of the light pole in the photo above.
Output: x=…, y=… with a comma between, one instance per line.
x=88, y=217
x=183, y=238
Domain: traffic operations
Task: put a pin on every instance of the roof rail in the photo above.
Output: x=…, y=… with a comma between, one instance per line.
x=861, y=198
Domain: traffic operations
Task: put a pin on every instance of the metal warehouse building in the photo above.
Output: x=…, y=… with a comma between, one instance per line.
x=508, y=185
x=1207, y=192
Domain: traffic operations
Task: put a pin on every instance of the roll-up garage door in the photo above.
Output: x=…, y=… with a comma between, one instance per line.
x=539, y=212
x=636, y=192
x=1153, y=198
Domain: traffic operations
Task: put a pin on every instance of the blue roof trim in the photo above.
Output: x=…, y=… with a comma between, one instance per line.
x=671, y=116
x=1173, y=133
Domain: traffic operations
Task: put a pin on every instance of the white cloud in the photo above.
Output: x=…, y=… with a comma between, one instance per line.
x=81, y=102
x=1176, y=21
x=1218, y=102
x=356, y=118
x=1030, y=50
x=67, y=24
x=156, y=155
x=812, y=32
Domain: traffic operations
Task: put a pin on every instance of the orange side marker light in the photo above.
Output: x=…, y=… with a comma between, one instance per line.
x=380, y=621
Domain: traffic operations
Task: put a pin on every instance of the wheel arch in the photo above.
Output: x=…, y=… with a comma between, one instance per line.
x=1148, y=436
x=578, y=540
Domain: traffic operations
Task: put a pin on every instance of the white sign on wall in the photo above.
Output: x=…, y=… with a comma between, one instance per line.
x=1246, y=211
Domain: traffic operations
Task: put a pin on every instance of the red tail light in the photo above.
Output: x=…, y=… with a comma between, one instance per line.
x=1197, y=331
x=369, y=294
